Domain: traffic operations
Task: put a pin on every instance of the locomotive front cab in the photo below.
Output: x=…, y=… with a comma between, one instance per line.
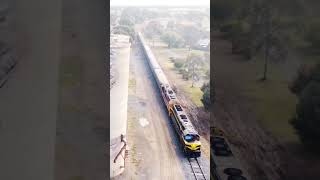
x=192, y=145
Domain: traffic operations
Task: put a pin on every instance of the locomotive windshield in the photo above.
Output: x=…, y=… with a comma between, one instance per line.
x=191, y=137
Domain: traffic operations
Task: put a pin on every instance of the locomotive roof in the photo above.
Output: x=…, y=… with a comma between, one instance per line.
x=160, y=76
x=152, y=58
x=184, y=119
x=170, y=92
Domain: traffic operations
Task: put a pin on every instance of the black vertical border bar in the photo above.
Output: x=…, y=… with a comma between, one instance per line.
x=212, y=78
x=28, y=101
x=107, y=60
x=212, y=74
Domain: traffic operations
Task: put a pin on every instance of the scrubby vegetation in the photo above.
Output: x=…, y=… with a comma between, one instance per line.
x=269, y=31
x=307, y=118
x=206, y=96
x=173, y=39
x=273, y=45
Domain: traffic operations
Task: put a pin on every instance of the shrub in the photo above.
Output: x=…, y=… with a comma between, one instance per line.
x=178, y=64
x=307, y=117
x=206, y=95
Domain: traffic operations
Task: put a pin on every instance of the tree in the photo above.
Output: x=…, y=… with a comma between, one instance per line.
x=190, y=33
x=307, y=118
x=131, y=16
x=206, y=95
x=268, y=34
x=178, y=64
x=193, y=66
x=302, y=79
x=122, y=29
x=113, y=19
x=223, y=9
x=126, y=20
x=153, y=29
x=238, y=32
x=258, y=30
x=172, y=39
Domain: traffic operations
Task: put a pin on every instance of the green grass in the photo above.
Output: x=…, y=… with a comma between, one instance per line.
x=184, y=51
x=273, y=103
x=162, y=55
x=195, y=94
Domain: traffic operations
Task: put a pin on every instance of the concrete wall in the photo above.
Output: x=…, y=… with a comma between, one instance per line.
x=118, y=103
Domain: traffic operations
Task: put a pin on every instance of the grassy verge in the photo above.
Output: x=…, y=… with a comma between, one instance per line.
x=195, y=94
x=274, y=105
x=272, y=101
x=163, y=55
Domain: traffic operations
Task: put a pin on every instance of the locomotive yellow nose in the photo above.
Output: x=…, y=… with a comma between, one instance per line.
x=193, y=146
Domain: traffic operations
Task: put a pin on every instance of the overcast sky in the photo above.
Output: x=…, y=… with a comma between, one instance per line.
x=160, y=3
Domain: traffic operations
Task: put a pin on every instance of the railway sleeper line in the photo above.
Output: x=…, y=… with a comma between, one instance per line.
x=196, y=169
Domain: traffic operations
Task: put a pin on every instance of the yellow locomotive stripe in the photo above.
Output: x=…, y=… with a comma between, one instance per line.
x=193, y=146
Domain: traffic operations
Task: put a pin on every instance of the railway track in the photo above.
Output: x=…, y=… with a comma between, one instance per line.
x=196, y=169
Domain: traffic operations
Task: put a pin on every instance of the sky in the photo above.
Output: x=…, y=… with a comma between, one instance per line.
x=160, y=3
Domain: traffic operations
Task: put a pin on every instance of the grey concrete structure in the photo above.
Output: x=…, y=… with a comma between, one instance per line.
x=119, y=71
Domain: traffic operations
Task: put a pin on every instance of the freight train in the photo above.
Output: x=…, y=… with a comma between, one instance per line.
x=188, y=136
